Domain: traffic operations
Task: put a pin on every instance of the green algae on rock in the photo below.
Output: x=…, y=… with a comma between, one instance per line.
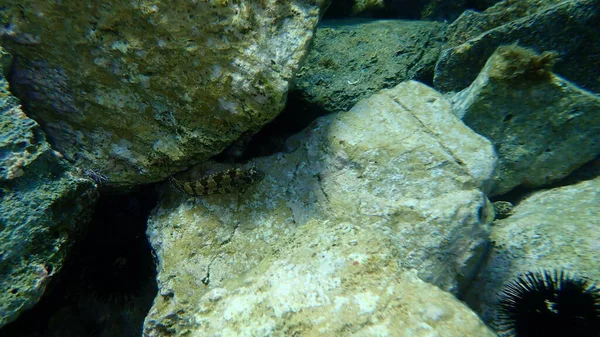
x=353, y=59
x=44, y=203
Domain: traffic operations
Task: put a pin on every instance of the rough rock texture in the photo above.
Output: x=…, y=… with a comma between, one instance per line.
x=322, y=246
x=542, y=126
x=556, y=228
x=446, y=10
x=472, y=23
x=43, y=203
x=360, y=6
x=137, y=90
x=353, y=59
x=566, y=27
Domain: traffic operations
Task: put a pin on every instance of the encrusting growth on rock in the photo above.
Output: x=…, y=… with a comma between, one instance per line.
x=518, y=63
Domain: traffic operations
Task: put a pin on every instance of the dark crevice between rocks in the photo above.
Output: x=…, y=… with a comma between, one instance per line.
x=296, y=116
x=588, y=171
x=108, y=282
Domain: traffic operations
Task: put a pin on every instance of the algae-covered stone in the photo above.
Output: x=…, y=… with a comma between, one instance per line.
x=43, y=204
x=322, y=246
x=551, y=229
x=138, y=90
x=566, y=27
x=543, y=127
x=352, y=60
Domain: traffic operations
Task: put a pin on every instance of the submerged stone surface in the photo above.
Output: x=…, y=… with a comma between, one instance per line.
x=44, y=203
x=551, y=229
x=566, y=27
x=138, y=90
x=441, y=10
x=336, y=237
x=353, y=59
x=542, y=126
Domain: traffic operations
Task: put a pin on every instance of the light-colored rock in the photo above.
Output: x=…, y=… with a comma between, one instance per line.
x=553, y=229
x=44, y=203
x=138, y=90
x=542, y=126
x=324, y=244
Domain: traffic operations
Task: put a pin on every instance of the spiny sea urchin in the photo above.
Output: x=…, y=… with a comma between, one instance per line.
x=549, y=304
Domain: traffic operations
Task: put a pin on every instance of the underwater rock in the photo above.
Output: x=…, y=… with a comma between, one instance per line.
x=551, y=229
x=138, y=90
x=334, y=239
x=360, y=6
x=353, y=59
x=44, y=203
x=565, y=27
x=446, y=10
x=442, y=10
x=542, y=126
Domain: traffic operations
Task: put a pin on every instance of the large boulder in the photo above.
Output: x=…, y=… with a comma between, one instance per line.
x=552, y=229
x=137, y=90
x=44, y=204
x=542, y=126
x=566, y=27
x=338, y=236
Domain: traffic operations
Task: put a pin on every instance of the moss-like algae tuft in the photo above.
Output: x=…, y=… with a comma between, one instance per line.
x=515, y=63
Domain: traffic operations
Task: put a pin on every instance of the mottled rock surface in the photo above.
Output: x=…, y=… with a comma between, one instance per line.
x=44, y=202
x=138, y=90
x=442, y=10
x=472, y=23
x=556, y=228
x=566, y=27
x=542, y=126
x=353, y=59
x=324, y=244
x=360, y=6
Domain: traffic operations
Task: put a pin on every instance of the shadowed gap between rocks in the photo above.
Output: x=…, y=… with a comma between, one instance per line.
x=588, y=171
x=109, y=280
x=296, y=116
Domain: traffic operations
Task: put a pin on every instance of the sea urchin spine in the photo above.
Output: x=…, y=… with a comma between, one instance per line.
x=549, y=304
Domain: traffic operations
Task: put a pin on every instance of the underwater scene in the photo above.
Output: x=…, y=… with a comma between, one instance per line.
x=300, y=168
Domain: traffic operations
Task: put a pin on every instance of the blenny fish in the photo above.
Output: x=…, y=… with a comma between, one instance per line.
x=223, y=182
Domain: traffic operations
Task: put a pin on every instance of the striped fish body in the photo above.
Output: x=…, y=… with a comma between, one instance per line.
x=224, y=182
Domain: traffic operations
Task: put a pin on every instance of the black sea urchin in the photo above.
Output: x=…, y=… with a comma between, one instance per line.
x=549, y=304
